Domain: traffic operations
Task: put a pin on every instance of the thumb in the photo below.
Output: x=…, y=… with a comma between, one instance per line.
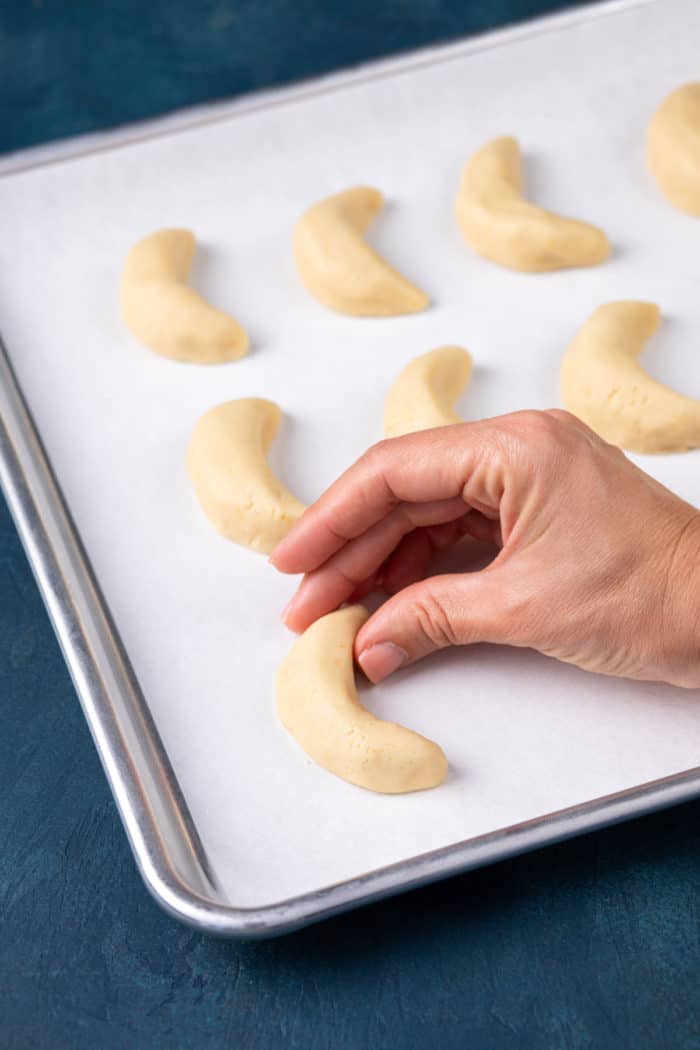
x=458, y=609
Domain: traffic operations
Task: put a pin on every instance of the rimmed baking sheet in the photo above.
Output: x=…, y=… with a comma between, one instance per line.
x=198, y=617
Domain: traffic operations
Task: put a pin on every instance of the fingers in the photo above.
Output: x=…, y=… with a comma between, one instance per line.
x=440, y=611
x=492, y=464
x=360, y=559
x=427, y=467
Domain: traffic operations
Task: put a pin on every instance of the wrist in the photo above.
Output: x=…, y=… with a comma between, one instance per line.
x=681, y=609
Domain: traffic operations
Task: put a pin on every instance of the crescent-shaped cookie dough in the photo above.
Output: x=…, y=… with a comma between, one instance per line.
x=227, y=463
x=338, y=266
x=603, y=384
x=317, y=702
x=425, y=393
x=498, y=223
x=673, y=148
x=164, y=313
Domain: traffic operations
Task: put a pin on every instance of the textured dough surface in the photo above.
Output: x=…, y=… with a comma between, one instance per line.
x=318, y=704
x=499, y=224
x=673, y=148
x=603, y=384
x=227, y=464
x=425, y=393
x=338, y=266
x=164, y=313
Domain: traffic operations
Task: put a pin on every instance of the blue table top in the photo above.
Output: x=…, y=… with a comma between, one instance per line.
x=590, y=944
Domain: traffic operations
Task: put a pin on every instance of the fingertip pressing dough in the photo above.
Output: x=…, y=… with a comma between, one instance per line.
x=318, y=703
x=673, y=148
x=227, y=464
x=499, y=224
x=338, y=266
x=425, y=393
x=164, y=313
x=603, y=384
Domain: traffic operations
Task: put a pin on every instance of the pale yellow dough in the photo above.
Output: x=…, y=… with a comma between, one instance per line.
x=603, y=384
x=227, y=464
x=338, y=266
x=317, y=702
x=163, y=312
x=425, y=393
x=499, y=224
x=673, y=145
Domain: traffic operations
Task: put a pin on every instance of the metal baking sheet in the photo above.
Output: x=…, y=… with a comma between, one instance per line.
x=172, y=634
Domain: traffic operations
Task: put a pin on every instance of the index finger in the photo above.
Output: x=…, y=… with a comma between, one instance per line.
x=417, y=468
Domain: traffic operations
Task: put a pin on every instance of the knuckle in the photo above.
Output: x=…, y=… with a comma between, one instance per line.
x=548, y=435
x=377, y=458
x=375, y=453
x=433, y=621
x=562, y=415
x=543, y=424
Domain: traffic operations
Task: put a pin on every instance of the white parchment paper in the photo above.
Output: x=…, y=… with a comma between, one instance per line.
x=199, y=616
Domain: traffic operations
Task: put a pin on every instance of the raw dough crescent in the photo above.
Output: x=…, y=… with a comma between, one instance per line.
x=163, y=312
x=603, y=384
x=338, y=266
x=498, y=223
x=425, y=393
x=317, y=702
x=227, y=463
x=674, y=148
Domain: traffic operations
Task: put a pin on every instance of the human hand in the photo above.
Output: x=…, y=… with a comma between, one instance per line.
x=597, y=565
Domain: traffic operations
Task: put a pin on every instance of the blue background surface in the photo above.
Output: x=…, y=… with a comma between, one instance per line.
x=590, y=944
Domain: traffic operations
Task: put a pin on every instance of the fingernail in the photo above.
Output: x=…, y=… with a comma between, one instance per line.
x=379, y=661
x=286, y=612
